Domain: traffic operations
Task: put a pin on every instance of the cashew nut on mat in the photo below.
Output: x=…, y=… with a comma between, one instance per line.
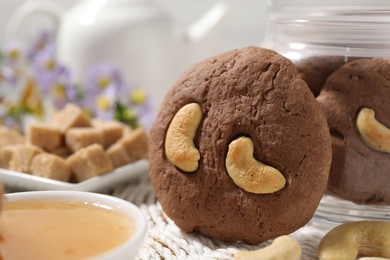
x=361, y=238
x=283, y=247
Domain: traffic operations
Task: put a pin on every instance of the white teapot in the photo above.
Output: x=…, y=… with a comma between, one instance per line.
x=135, y=35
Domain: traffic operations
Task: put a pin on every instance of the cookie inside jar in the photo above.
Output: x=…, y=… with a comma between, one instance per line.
x=342, y=52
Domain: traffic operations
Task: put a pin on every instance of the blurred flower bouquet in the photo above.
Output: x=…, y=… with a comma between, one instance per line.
x=34, y=84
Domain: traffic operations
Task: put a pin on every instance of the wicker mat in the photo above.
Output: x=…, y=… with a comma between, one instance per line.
x=166, y=241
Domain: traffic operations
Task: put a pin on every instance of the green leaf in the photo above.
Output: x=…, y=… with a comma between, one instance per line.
x=125, y=115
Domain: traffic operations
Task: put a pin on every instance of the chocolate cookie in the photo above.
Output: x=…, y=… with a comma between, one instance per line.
x=240, y=149
x=316, y=69
x=356, y=101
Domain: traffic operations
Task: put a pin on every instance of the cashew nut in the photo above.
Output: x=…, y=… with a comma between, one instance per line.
x=373, y=133
x=179, y=145
x=283, y=247
x=364, y=238
x=248, y=173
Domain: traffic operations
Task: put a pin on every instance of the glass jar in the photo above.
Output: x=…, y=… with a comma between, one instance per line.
x=340, y=50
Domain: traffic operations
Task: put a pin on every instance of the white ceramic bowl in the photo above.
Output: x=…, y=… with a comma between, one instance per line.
x=126, y=250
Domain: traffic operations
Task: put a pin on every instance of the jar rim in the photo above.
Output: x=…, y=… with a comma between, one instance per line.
x=351, y=27
x=361, y=14
x=320, y=4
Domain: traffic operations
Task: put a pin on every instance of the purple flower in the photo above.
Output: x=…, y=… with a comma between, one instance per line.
x=54, y=80
x=63, y=90
x=11, y=122
x=139, y=102
x=103, y=76
x=45, y=38
x=102, y=90
x=45, y=68
x=9, y=75
x=104, y=104
x=104, y=94
x=13, y=51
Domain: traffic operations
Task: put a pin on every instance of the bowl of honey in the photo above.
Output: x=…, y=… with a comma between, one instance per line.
x=69, y=225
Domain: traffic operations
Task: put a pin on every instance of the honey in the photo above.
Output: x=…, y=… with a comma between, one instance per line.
x=48, y=229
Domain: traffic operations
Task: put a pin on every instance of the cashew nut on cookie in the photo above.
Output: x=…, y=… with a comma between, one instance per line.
x=361, y=238
x=179, y=145
x=248, y=173
x=373, y=133
x=283, y=247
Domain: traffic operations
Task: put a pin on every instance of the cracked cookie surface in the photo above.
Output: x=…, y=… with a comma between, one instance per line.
x=249, y=92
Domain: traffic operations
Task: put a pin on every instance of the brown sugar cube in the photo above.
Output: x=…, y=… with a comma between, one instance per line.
x=6, y=153
x=112, y=130
x=22, y=157
x=46, y=136
x=70, y=116
x=136, y=144
x=9, y=136
x=50, y=166
x=126, y=129
x=62, y=151
x=79, y=137
x=99, y=123
x=89, y=162
x=118, y=155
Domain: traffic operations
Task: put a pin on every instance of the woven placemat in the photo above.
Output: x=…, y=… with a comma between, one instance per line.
x=166, y=241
